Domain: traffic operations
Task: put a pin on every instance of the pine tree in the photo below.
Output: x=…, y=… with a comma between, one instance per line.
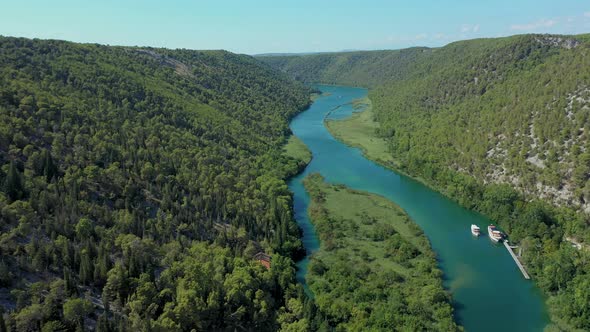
x=101, y=267
x=68, y=282
x=2, y=322
x=49, y=168
x=85, y=271
x=102, y=325
x=13, y=185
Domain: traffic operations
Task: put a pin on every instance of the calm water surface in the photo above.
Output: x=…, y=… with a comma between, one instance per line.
x=489, y=292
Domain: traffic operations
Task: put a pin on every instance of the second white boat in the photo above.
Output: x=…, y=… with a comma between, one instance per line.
x=475, y=230
x=495, y=234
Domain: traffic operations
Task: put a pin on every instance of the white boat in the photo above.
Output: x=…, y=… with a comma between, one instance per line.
x=475, y=230
x=495, y=234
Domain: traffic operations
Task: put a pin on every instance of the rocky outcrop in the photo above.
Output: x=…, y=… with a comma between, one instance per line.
x=557, y=41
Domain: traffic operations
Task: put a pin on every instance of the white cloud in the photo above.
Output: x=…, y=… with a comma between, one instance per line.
x=421, y=36
x=465, y=28
x=587, y=14
x=540, y=24
x=439, y=36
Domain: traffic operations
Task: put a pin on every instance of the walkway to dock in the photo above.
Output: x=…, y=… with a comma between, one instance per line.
x=518, y=263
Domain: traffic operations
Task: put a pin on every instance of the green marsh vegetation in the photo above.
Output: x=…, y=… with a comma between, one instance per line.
x=297, y=150
x=375, y=269
x=360, y=130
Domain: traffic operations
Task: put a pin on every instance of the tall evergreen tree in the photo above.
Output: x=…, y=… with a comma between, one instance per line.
x=2, y=322
x=49, y=167
x=13, y=185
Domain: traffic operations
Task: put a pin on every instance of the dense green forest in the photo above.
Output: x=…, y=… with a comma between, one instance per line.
x=501, y=126
x=375, y=270
x=361, y=68
x=136, y=186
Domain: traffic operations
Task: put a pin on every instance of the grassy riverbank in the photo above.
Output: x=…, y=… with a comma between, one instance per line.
x=296, y=149
x=300, y=154
x=375, y=268
x=359, y=131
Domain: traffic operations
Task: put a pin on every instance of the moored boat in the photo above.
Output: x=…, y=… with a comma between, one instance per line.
x=495, y=234
x=475, y=230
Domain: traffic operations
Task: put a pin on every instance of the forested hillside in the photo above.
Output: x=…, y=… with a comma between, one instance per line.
x=137, y=185
x=500, y=125
x=362, y=68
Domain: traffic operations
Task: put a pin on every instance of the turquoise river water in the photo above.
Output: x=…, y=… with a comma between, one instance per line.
x=489, y=292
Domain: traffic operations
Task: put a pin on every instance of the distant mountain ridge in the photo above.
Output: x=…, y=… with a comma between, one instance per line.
x=355, y=68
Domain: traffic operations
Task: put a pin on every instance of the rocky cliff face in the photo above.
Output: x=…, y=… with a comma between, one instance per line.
x=558, y=41
x=564, y=157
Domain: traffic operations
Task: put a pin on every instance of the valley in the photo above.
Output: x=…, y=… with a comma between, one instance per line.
x=496, y=125
x=472, y=268
x=148, y=188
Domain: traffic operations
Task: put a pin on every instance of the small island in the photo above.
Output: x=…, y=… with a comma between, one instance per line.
x=375, y=268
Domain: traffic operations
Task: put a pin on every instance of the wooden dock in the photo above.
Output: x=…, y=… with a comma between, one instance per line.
x=516, y=260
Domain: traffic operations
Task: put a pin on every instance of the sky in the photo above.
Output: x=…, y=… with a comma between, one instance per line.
x=288, y=26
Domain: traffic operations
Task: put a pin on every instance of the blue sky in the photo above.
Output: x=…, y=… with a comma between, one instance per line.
x=288, y=26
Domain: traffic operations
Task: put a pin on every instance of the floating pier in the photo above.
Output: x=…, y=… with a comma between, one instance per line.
x=516, y=260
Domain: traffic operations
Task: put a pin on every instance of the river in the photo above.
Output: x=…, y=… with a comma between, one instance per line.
x=489, y=292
